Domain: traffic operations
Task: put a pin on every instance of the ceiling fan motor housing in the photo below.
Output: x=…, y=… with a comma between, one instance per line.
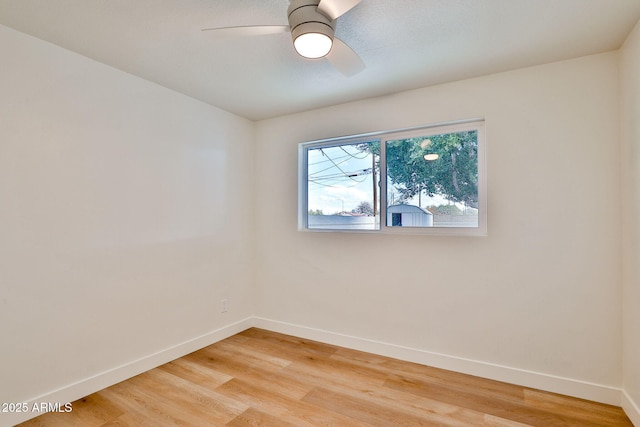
x=304, y=18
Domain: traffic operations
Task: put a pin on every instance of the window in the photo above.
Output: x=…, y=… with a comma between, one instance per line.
x=427, y=180
x=342, y=186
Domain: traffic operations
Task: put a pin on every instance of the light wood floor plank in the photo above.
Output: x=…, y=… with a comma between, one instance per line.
x=253, y=417
x=366, y=411
x=476, y=399
x=438, y=413
x=262, y=378
x=297, y=412
x=576, y=408
x=195, y=372
x=248, y=369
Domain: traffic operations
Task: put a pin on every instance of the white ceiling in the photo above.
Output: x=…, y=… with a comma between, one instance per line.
x=405, y=44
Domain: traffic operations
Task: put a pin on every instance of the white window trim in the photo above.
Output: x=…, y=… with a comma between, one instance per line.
x=384, y=136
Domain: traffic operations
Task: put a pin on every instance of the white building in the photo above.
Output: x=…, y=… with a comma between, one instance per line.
x=409, y=216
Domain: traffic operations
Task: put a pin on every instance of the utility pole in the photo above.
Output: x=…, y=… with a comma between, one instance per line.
x=375, y=184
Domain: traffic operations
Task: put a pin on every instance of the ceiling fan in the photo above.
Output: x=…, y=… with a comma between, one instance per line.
x=312, y=24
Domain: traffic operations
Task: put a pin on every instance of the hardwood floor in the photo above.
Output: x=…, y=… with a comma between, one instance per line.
x=261, y=378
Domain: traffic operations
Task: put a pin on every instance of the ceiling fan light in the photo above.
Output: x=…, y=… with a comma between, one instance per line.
x=311, y=31
x=313, y=45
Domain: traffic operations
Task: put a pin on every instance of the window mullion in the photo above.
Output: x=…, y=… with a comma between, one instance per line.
x=383, y=184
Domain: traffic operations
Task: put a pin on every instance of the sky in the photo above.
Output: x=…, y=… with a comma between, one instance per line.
x=340, y=178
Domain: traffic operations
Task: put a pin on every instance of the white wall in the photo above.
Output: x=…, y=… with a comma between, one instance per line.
x=540, y=296
x=125, y=217
x=630, y=130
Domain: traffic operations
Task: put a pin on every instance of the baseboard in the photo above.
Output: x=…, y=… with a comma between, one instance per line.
x=631, y=409
x=75, y=391
x=555, y=384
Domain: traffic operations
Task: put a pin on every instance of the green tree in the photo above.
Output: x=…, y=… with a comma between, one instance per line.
x=453, y=175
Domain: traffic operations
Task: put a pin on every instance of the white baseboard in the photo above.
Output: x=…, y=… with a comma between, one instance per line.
x=555, y=384
x=631, y=409
x=75, y=391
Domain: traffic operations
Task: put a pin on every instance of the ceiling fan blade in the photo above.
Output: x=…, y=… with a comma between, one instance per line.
x=344, y=59
x=252, y=30
x=335, y=8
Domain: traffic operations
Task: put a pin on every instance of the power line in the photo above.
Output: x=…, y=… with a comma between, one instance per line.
x=335, y=186
x=336, y=165
x=325, y=161
x=359, y=172
x=355, y=157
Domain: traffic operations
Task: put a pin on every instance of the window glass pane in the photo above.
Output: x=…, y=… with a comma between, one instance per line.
x=432, y=181
x=342, y=190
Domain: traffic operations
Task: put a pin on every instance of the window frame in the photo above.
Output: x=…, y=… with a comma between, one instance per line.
x=477, y=124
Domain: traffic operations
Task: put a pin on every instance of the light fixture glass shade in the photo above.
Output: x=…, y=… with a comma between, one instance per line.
x=431, y=157
x=313, y=45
